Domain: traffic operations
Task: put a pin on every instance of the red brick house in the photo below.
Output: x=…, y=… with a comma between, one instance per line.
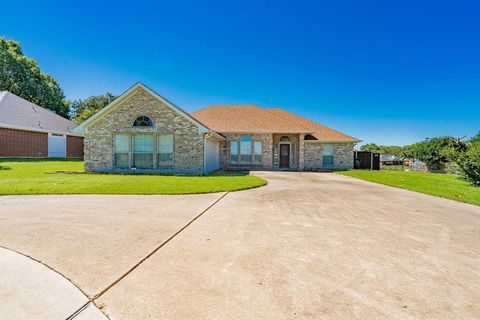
x=28, y=130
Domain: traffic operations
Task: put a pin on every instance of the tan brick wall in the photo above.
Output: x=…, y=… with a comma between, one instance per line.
x=20, y=143
x=267, y=151
x=301, y=151
x=313, y=155
x=188, y=142
x=342, y=159
x=294, y=150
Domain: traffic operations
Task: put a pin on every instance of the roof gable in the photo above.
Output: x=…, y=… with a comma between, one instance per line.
x=130, y=92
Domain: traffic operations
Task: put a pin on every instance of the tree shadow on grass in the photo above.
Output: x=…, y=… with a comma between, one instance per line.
x=5, y=168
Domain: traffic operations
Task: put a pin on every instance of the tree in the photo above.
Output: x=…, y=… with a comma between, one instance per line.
x=393, y=150
x=467, y=157
x=371, y=147
x=81, y=110
x=433, y=152
x=23, y=77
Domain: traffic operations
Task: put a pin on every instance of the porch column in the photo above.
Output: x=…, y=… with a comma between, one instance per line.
x=301, y=151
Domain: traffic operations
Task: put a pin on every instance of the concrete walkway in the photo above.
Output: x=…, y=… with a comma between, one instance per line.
x=306, y=246
x=30, y=290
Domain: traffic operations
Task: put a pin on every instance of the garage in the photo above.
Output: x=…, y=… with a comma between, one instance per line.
x=28, y=130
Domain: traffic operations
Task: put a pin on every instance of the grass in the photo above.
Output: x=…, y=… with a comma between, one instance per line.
x=441, y=185
x=32, y=176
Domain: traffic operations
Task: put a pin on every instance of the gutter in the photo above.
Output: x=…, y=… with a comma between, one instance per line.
x=21, y=128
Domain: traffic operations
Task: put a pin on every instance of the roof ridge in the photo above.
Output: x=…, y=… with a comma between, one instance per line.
x=284, y=118
x=228, y=106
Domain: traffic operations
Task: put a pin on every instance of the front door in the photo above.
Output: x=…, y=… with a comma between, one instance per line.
x=284, y=156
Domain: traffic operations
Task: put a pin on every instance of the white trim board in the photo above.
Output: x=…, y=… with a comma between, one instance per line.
x=8, y=126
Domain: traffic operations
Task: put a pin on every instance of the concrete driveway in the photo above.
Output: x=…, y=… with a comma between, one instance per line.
x=306, y=246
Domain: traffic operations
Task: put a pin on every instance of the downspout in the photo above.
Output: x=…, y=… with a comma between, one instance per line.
x=205, y=137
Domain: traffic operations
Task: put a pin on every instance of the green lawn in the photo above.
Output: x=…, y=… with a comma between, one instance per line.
x=441, y=185
x=21, y=176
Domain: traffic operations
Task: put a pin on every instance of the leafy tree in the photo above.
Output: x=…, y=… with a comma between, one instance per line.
x=467, y=157
x=372, y=147
x=23, y=77
x=81, y=110
x=409, y=151
x=433, y=152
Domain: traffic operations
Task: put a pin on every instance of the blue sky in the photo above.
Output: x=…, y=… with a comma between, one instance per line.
x=390, y=72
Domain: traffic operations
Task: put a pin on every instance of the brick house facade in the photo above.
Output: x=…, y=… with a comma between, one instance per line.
x=22, y=143
x=142, y=132
x=187, y=139
x=28, y=131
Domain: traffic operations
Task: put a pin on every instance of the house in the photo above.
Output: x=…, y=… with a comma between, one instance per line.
x=141, y=131
x=390, y=160
x=28, y=130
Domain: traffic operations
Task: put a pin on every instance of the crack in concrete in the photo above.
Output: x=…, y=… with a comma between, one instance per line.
x=111, y=285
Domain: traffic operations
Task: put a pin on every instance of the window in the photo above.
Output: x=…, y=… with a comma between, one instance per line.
x=143, y=121
x=121, y=150
x=257, y=152
x=284, y=138
x=233, y=152
x=327, y=155
x=143, y=150
x=246, y=150
x=165, y=150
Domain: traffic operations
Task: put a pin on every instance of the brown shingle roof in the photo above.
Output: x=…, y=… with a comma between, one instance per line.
x=252, y=118
x=245, y=118
x=321, y=132
x=18, y=112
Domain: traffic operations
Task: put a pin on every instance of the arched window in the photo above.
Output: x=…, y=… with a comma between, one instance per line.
x=246, y=150
x=143, y=121
x=310, y=137
x=285, y=138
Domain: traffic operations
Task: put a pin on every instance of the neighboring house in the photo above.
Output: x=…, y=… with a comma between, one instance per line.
x=28, y=130
x=390, y=160
x=143, y=132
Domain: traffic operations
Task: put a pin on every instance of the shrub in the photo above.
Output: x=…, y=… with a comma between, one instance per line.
x=467, y=157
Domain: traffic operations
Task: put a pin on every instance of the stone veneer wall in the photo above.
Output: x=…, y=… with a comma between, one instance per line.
x=342, y=158
x=267, y=149
x=313, y=155
x=188, y=142
x=294, y=150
